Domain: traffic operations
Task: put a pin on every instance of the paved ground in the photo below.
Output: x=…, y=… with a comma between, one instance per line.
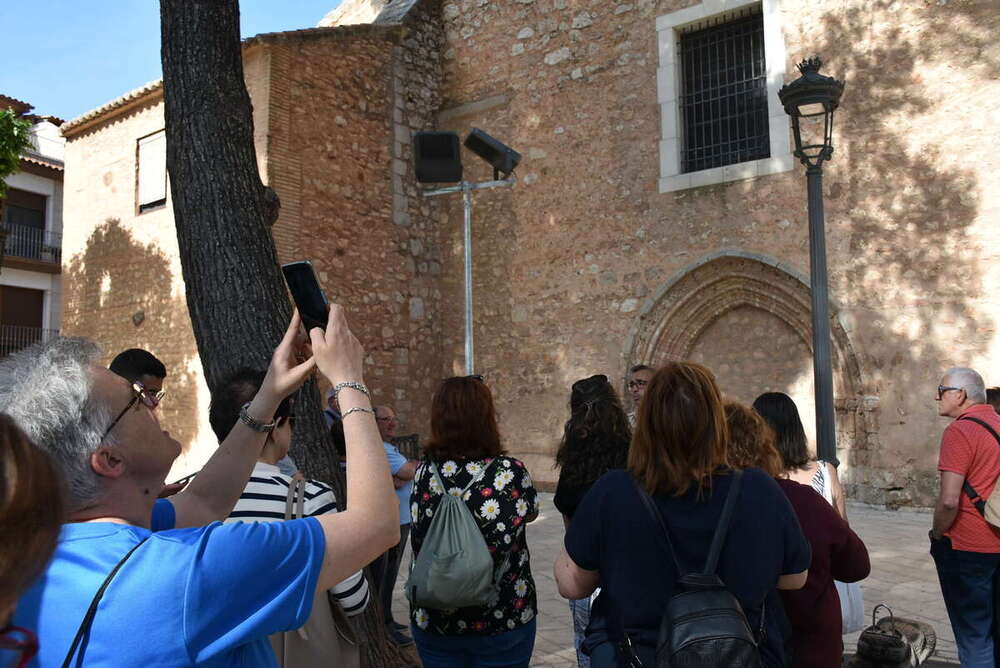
x=902, y=576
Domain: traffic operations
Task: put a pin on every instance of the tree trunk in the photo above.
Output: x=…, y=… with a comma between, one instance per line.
x=223, y=214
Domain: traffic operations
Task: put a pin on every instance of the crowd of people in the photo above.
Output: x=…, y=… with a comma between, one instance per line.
x=678, y=496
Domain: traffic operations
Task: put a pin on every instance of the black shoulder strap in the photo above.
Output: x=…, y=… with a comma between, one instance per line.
x=88, y=619
x=970, y=491
x=719, y=539
x=647, y=501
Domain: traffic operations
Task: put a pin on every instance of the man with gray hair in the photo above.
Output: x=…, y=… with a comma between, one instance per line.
x=966, y=549
x=126, y=579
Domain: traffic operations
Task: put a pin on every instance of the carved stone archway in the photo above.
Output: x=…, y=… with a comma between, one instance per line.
x=675, y=317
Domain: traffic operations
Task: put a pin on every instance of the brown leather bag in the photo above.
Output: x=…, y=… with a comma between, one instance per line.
x=328, y=637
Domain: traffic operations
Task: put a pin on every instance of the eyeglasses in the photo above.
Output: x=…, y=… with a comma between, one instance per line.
x=637, y=384
x=386, y=418
x=151, y=398
x=138, y=396
x=21, y=640
x=944, y=388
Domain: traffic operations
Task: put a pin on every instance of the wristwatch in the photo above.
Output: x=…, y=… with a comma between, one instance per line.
x=256, y=425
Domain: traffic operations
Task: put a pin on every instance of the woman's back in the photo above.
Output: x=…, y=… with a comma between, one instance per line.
x=503, y=501
x=613, y=533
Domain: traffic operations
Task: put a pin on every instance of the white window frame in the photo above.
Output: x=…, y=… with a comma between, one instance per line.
x=668, y=89
x=149, y=197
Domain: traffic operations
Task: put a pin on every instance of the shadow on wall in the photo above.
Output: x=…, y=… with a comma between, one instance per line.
x=118, y=293
x=911, y=256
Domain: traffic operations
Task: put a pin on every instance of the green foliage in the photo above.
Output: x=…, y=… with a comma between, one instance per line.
x=14, y=140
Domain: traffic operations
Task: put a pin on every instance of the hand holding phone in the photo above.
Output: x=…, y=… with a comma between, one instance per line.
x=306, y=293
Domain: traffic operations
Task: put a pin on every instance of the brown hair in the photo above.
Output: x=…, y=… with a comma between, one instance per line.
x=680, y=433
x=751, y=440
x=31, y=511
x=463, y=421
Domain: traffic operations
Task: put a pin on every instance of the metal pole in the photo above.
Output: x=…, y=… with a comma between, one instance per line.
x=467, y=205
x=466, y=188
x=826, y=433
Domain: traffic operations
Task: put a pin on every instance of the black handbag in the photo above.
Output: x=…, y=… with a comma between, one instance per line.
x=882, y=642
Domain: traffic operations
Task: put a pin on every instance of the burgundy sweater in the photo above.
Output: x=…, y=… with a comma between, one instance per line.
x=837, y=554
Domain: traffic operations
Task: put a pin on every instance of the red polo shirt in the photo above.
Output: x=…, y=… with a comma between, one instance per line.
x=970, y=451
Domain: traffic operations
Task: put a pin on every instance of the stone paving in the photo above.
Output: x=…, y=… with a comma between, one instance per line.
x=902, y=575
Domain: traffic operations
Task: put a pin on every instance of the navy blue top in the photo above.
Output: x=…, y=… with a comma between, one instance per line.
x=613, y=533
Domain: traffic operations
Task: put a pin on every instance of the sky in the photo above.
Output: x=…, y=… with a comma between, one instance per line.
x=67, y=57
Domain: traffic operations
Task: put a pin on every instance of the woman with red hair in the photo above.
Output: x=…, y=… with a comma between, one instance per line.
x=464, y=458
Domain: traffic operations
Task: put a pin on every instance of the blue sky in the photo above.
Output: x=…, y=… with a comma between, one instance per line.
x=67, y=57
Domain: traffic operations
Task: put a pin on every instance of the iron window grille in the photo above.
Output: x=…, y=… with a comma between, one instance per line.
x=724, y=94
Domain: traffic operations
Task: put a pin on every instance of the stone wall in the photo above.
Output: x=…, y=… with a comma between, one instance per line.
x=569, y=261
x=342, y=109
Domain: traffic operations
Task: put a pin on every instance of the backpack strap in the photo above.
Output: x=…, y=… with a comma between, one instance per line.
x=651, y=508
x=978, y=501
x=88, y=619
x=482, y=474
x=720, y=531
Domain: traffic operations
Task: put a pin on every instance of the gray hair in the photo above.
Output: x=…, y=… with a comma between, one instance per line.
x=968, y=380
x=46, y=389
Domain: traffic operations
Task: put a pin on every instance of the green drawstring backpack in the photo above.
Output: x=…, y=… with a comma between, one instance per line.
x=454, y=568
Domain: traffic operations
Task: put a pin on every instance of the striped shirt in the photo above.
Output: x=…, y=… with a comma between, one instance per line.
x=263, y=500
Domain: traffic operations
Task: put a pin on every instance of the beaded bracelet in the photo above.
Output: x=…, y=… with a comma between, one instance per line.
x=354, y=385
x=357, y=409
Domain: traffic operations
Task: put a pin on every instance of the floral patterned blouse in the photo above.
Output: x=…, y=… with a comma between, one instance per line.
x=502, y=501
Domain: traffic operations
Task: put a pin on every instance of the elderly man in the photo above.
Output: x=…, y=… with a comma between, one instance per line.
x=205, y=596
x=966, y=549
x=387, y=566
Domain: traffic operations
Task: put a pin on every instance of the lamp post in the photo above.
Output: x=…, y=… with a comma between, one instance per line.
x=811, y=100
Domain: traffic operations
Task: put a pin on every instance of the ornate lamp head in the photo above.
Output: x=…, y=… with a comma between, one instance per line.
x=811, y=100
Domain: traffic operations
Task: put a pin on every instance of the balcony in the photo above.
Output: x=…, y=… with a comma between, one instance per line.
x=31, y=243
x=16, y=337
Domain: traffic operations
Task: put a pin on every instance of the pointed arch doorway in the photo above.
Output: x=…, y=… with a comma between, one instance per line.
x=747, y=318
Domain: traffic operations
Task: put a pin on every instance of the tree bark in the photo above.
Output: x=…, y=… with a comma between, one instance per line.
x=223, y=214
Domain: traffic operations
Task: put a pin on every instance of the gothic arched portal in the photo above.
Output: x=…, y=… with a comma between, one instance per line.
x=747, y=318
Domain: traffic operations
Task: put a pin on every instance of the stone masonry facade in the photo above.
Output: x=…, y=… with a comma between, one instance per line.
x=586, y=265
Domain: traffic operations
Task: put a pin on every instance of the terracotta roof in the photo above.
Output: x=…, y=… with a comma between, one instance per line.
x=42, y=160
x=123, y=101
x=54, y=120
x=359, y=30
x=19, y=106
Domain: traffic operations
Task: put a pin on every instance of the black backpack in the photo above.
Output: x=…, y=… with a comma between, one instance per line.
x=704, y=624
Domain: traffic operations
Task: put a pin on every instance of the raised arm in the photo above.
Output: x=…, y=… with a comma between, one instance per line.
x=370, y=523
x=214, y=491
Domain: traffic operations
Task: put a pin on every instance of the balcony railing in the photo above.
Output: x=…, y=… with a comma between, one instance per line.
x=33, y=243
x=16, y=337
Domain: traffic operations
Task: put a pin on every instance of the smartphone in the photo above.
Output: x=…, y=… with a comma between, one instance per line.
x=186, y=479
x=306, y=293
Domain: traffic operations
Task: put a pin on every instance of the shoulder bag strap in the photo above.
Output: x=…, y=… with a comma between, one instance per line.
x=970, y=491
x=88, y=619
x=720, y=531
x=651, y=508
x=290, y=499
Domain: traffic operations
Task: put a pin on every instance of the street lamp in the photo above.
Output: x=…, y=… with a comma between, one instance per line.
x=437, y=159
x=811, y=100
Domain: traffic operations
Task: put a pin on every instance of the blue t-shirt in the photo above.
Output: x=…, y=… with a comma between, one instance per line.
x=397, y=461
x=206, y=596
x=612, y=532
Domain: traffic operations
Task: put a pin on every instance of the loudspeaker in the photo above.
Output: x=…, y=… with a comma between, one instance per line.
x=503, y=158
x=437, y=157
